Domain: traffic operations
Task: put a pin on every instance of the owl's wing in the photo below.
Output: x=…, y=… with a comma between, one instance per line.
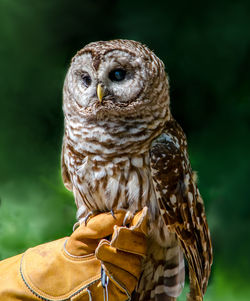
x=181, y=204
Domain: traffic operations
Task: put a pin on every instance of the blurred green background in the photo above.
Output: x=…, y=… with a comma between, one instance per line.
x=206, y=49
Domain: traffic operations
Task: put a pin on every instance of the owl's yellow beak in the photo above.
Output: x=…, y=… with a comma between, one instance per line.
x=100, y=92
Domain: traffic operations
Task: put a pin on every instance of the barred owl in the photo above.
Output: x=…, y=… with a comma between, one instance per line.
x=122, y=149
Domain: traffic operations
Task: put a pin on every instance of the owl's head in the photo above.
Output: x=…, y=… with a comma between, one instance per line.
x=114, y=77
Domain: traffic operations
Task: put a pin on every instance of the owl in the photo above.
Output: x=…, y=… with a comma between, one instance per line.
x=122, y=149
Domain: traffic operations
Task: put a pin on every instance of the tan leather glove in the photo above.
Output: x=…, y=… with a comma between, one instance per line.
x=122, y=257
x=70, y=268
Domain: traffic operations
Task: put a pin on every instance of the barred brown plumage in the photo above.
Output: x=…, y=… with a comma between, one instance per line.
x=123, y=149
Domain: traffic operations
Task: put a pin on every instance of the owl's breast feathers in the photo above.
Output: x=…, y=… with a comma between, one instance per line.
x=104, y=185
x=181, y=204
x=122, y=169
x=106, y=162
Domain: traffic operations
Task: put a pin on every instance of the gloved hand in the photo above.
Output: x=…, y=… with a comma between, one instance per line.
x=85, y=266
x=122, y=257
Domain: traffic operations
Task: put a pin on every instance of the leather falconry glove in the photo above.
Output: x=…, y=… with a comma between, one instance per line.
x=84, y=266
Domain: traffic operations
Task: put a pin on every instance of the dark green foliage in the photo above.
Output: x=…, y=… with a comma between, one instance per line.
x=206, y=49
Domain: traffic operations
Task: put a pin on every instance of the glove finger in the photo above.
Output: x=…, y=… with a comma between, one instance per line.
x=120, y=277
x=140, y=220
x=123, y=260
x=99, y=226
x=86, y=237
x=78, y=247
x=132, y=239
x=128, y=240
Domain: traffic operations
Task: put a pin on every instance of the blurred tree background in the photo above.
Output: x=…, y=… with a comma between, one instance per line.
x=206, y=49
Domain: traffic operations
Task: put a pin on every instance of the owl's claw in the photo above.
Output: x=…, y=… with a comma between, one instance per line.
x=76, y=225
x=112, y=213
x=85, y=219
x=90, y=214
x=128, y=217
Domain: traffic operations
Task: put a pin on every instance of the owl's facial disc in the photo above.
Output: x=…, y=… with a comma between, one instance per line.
x=115, y=84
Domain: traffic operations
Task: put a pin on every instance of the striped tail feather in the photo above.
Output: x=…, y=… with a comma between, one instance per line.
x=163, y=274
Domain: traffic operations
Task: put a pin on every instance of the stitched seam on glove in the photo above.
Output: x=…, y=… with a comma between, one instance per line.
x=129, y=251
x=75, y=256
x=123, y=288
x=115, y=242
x=119, y=268
x=55, y=298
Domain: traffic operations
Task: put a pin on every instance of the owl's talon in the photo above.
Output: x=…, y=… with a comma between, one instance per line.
x=76, y=225
x=85, y=219
x=112, y=213
x=128, y=217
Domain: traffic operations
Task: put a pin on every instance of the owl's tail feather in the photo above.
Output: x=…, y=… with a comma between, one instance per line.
x=162, y=279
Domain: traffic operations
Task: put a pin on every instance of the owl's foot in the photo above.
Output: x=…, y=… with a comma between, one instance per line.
x=84, y=219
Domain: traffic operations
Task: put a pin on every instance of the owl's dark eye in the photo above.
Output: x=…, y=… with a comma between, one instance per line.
x=86, y=79
x=117, y=75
